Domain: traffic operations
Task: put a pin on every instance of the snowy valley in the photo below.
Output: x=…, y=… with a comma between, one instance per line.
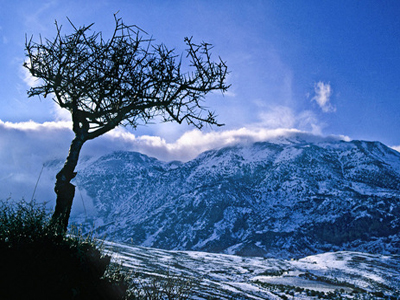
x=201, y=275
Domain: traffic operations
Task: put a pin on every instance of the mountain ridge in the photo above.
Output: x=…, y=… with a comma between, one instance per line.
x=284, y=199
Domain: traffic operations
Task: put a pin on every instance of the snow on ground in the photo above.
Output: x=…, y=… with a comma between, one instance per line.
x=233, y=277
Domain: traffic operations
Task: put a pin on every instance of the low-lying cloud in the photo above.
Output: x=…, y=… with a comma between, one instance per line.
x=26, y=147
x=397, y=148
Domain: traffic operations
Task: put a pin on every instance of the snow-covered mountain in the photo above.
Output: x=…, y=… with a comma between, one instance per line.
x=288, y=198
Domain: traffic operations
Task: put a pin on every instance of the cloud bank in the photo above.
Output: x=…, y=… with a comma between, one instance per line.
x=26, y=147
x=41, y=142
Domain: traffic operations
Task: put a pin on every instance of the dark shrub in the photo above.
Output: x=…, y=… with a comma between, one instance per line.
x=36, y=263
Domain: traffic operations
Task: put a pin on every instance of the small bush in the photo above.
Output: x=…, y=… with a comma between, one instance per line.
x=167, y=287
x=36, y=263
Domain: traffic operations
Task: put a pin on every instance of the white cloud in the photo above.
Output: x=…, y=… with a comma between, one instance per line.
x=285, y=117
x=61, y=114
x=308, y=121
x=27, y=77
x=26, y=146
x=323, y=93
x=29, y=144
x=397, y=148
x=277, y=117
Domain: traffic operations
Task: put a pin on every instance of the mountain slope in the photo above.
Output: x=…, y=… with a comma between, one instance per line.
x=289, y=198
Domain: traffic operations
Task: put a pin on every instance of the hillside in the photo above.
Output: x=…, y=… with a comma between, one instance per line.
x=334, y=275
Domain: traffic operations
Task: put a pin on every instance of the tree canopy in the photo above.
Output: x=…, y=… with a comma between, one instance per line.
x=123, y=80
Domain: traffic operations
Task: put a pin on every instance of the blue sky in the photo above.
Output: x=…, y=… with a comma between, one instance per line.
x=322, y=67
x=282, y=56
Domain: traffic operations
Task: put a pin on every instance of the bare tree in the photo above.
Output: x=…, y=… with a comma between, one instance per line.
x=125, y=80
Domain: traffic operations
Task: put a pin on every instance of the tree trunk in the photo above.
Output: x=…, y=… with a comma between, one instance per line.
x=64, y=189
x=65, y=196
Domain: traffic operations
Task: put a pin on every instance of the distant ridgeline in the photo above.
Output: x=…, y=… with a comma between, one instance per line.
x=289, y=198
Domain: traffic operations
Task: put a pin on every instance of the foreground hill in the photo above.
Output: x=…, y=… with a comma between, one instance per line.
x=290, y=198
x=199, y=275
